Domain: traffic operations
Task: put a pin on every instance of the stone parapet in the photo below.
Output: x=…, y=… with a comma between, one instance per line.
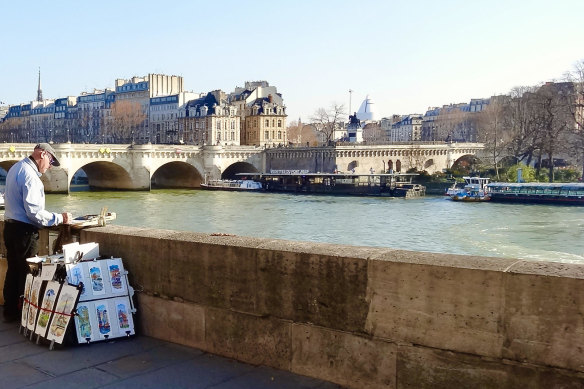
x=358, y=316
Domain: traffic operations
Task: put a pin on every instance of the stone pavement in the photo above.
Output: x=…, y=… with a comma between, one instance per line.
x=136, y=362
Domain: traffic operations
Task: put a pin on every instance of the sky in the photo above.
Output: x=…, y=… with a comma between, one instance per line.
x=405, y=55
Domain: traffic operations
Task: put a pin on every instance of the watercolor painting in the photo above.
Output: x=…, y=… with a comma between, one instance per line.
x=84, y=322
x=34, y=301
x=103, y=320
x=76, y=276
x=96, y=280
x=47, y=305
x=115, y=276
x=123, y=316
x=25, y=304
x=64, y=307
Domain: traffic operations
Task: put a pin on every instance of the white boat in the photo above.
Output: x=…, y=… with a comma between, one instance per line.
x=233, y=185
x=475, y=190
x=1, y=200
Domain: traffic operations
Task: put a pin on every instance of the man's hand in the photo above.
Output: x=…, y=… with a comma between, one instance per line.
x=67, y=218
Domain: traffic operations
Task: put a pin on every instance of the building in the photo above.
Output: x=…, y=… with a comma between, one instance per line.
x=211, y=120
x=262, y=112
x=164, y=115
x=408, y=129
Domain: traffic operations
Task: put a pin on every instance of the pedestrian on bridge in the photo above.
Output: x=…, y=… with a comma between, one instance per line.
x=25, y=214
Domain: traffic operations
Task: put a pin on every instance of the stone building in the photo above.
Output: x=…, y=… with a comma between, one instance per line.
x=211, y=120
x=408, y=129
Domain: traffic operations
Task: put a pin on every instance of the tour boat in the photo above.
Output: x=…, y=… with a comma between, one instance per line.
x=338, y=183
x=475, y=190
x=232, y=185
x=537, y=192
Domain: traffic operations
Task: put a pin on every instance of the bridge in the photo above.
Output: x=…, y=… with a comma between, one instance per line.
x=142, y=167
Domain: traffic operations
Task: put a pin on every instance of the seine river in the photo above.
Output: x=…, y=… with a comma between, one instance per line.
x=434, y=224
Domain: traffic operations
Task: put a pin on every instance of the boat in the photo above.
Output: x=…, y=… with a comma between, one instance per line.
x=1, y=200
x=474, y=190
x=338, y=183
x=537, y=192
x=232, y=185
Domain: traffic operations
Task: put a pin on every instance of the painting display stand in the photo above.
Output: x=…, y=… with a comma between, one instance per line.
x=94, y=292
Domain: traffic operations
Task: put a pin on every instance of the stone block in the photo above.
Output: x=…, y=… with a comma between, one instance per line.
x=544, y=317
x=176, y=322
x=344, y=358
x=446, y=307
x=313, y=283
x=251, y=339
x=424, y=368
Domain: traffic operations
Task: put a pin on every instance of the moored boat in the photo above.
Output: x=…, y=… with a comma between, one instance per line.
x=232, y=185
x=344, y=184
x=537, y=192
x=474, y=190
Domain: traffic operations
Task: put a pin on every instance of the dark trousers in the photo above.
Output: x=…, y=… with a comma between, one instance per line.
x=21, y=241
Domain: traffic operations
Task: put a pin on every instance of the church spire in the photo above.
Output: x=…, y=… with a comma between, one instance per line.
x=39, y=91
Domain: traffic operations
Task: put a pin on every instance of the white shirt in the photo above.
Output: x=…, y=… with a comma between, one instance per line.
x=24, y=197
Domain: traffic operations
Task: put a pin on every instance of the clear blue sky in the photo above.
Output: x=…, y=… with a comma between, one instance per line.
x=406, y=55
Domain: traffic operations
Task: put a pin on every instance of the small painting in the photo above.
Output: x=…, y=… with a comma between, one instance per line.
x=63, y=310
x=117, y=276
x=35, y=291
x=47, y=305
x=25, y=303
x=76, y=275
x=103, y=320
x=96, y=280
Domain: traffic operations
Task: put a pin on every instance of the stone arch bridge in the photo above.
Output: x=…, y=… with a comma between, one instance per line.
x=141, y=167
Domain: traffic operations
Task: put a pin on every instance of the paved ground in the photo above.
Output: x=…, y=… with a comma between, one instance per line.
x=137, y=362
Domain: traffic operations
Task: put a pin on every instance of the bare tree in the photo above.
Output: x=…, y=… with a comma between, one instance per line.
x=302, y=134
x=326, y=122
x=452, y=123
x=576, y=105
x=491, y=122
x=127, y=116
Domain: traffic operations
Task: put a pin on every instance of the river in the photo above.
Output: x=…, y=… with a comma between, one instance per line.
x=433, y=224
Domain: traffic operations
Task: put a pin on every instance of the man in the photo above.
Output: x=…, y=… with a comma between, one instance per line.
x=24, y=202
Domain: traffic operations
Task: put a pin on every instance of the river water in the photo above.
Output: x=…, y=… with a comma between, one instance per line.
x=433, y=224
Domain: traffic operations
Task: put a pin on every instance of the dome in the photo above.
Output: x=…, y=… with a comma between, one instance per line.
x=366, y=111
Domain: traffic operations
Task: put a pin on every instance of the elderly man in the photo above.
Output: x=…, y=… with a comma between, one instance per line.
x=24, y=201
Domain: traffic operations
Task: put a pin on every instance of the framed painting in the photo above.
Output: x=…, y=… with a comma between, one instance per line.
x=47, y=304
x=25, y=303
x=35, y=291
x=63, y=309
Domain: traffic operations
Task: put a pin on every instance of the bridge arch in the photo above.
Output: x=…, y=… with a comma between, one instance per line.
x=176, y=174
x=238, y=167
x=102, y=175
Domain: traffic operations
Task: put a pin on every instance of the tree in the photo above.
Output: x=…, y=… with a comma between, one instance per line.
x=127, y=116
x=552, y=121
x=491, y=122
x=576, y=105
x=326, y=122
x=301, y=134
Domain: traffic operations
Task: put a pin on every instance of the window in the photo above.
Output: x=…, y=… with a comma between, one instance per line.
x=267, y=135
x=279, y=134
x=267, y=122
x=279, y=123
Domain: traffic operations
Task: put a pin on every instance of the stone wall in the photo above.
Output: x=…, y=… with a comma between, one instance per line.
x=361, y=317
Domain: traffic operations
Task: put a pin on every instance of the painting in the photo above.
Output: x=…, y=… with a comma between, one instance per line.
x=85, y=322
x=125, y=320
x=47, y=305
x=103, y=319
x=64, y=308
x=96, y=279
x=25, y=303
x=35, y=290
x=117, y=276
x=76, y=275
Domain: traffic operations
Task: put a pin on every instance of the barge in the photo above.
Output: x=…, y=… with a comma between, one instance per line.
x=542, y=193
x=347, y=184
